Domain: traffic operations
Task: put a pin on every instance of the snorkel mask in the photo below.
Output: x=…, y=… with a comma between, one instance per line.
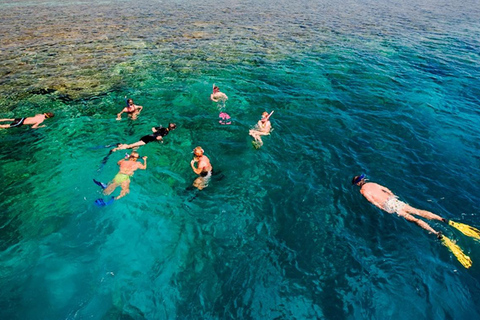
x=357, y=179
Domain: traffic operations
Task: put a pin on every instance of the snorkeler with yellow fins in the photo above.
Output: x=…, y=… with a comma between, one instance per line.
x=384, y=199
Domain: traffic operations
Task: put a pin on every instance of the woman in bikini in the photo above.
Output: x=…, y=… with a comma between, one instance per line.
x=131, y=109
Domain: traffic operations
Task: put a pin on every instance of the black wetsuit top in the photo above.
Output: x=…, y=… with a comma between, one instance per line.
x=161, y=132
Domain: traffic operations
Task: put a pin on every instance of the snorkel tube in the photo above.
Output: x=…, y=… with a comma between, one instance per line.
x=268, y=117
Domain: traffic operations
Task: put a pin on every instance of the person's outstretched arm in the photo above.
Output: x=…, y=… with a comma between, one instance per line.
x=119, y=115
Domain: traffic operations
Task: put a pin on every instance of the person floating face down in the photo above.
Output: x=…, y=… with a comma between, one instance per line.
x=262, y=128
x=203, y=168
x=33, y=121
x=384, y=199
x=122, y=179
x=157, y=135
x=132, y=110
x=217, y=96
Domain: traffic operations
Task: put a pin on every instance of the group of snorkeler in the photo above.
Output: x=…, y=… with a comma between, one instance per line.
x=200, y=164
x=378, y=195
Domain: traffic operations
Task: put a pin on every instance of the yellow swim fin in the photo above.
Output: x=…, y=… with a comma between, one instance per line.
x=457, y=251
x=466, y=229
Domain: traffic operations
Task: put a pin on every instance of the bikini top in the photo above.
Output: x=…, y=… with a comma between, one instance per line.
x=130, y=109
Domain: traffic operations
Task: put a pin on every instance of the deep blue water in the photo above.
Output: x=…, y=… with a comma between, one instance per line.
x=389, y=89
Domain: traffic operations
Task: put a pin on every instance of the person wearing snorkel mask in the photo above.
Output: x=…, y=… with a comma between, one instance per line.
x=203, y=168
x=132, y=110
x=156, y=136
x=217, y=95
x=33, y=121
x=384, y=199
x=262, y=128
x=122, y=179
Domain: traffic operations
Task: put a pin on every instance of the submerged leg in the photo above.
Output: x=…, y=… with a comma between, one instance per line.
x=418, y=222
x=128, y=146
x=125, y=189
x=110, y=188
x=423, y=213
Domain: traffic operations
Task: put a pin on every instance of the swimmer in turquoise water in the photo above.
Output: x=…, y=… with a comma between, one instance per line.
x=387, y=201
x=122, y=179
x=203, y=168
x=384, y=199
x=262, y=128
x=132, y=110
x=157, y=135
x=217, y=96
x=33, y=121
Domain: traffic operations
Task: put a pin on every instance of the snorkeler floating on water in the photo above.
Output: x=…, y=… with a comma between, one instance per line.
x=33, y=121
x=217, y=95
x=131, y=110
x=157, y=135
x=262, y=128
x=122, y=179
x=384, y=199
x=203, y=169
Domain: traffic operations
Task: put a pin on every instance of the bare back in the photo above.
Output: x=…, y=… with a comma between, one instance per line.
x=37, y=119
x=128, y=167
x=217, y=96
x=204, y=164
x=376, y=193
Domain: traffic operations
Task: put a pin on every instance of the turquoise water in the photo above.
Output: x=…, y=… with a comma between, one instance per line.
x=388, y=89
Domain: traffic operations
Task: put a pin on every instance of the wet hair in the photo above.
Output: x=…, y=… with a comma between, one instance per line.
x=128, y=100
x=357, y=179
x=198, y=149
x=49, y=115
x=172, y=126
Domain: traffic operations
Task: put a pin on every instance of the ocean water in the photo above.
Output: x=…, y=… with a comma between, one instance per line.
x=386, y=88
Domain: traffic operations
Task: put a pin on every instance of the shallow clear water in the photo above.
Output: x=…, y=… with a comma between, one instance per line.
x=389, y=89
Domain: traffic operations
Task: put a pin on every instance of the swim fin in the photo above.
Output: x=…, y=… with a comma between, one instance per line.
x=457, y=252
x=105, y=159
x=101, y=203
x=465, y=229
x=101, y=184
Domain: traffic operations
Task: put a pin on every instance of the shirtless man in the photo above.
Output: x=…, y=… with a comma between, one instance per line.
x=131, y=109
x=127, y=167
x=387, y=201
x=262, y=128
x=217, y=95
x=204, y=168
x=34, y=121
x=157, y=135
